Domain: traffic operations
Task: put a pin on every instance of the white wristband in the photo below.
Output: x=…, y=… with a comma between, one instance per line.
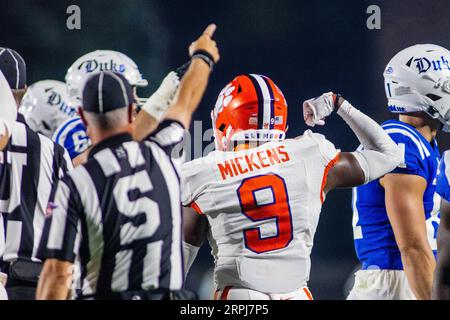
x=156, y=106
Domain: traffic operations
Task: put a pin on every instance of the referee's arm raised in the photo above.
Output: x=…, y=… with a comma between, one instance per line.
x=204, y=54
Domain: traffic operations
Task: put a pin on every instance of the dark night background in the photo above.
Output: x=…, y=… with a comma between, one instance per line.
x=306, y=47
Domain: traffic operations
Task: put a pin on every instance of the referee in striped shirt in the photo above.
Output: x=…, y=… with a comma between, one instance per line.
x=8, y=116
x=118, y=216
x=31, y=166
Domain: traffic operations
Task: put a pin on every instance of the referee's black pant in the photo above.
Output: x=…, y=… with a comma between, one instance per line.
x=22, y=280
x=21, y=290
x=159, y=294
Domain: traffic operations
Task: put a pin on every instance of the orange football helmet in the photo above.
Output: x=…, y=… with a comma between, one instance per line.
x=249, y=108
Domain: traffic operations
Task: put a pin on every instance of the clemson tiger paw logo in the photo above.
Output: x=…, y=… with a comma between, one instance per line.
x=225, y=97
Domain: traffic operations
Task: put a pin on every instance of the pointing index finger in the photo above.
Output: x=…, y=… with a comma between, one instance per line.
x=209, y=31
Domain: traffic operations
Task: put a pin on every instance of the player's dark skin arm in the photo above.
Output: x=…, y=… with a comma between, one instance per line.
x=346, y=173
x=441, y=287
x=195, y=227
x=55, y=280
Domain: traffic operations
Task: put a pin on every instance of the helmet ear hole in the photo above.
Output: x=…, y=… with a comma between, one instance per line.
x=46, y=125
x=433, y=97
x=239, y=89
x=222, y=127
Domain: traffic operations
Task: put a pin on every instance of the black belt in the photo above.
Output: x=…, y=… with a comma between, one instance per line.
x=160, y=294
x=22, y=272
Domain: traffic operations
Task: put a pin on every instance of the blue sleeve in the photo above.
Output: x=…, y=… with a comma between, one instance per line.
x=414, y=158
x=442, y=185
x=73, y=138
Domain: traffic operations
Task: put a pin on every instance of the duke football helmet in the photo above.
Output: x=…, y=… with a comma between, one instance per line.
x=101, y=60
x=249, y=108
x=45, y=106
x=418, y=79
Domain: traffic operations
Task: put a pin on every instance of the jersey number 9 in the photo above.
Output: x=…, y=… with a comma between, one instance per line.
x=278, y=210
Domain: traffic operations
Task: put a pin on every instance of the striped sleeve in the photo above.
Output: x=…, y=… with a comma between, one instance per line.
x=61, y=165
x=61, y=232
x=170, y=136
x=67, y=161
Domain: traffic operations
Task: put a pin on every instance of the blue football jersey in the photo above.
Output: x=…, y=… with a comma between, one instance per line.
x=443, y=178
x=72, y=135
x=374, y=238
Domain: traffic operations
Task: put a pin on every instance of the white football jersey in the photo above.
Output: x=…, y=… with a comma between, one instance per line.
x=263, y=207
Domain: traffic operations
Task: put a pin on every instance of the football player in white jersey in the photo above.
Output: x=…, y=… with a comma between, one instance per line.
x=45, y=106
x=258, y=197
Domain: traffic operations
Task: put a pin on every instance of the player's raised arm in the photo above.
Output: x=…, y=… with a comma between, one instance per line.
x=8, y=112
x=204, y=54
x=379, y=155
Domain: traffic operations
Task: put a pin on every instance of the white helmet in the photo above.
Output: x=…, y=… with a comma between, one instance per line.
x=418, y=79
x=45, y=106
x=100, y=60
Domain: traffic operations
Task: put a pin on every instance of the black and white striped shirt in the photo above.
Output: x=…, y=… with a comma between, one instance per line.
x=119, y=217
x=31, y=165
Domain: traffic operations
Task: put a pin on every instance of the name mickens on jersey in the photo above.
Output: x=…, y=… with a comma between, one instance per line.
x=252, y=161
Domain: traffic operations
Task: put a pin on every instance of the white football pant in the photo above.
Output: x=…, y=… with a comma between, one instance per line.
x=381, y=285
x=231, y=293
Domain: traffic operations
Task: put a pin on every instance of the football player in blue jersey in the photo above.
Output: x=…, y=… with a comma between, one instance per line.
x=441, y=289
x=395, y=218
x=71, y=134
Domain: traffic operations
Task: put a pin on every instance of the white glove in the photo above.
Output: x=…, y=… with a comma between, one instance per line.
x=8, y=107
x=161, y=100
x=317, y=109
